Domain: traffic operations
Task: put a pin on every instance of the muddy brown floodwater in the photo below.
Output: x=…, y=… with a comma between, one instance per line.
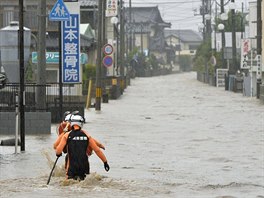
x=166, y=136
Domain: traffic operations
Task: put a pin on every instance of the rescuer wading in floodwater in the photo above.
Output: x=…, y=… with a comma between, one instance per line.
x=77, y=143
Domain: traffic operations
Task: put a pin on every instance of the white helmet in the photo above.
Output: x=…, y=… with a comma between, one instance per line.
x=66, y=113
x=68, y=117
x=77, y=120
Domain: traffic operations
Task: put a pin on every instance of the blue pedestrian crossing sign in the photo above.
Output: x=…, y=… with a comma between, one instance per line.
x=59, y=12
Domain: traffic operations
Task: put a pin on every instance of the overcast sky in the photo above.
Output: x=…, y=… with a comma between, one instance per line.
x=180, y=13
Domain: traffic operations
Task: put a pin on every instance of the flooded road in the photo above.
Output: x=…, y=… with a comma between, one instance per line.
x=167, y=136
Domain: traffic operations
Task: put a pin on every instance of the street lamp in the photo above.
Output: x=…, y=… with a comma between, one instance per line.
x=221, y=27
x=224, y=16
x=115, y=22
x=234, y=64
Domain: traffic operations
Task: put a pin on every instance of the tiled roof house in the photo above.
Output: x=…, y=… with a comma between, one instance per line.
x=147, y=21
x=186, y=41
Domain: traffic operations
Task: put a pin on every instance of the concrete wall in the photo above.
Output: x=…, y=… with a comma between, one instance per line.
x=35, y=123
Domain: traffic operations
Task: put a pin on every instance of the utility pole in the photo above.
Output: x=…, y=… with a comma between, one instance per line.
x=122, y=44
x=234, y=68
x=259, y=46
x=242, y=21
x=41, y=69
x=98, y=93
x=60, y=71
x=104, y=41
x=22, y=75
x=208, y=22
x=223, y=36
x=130, y=26
x=203, y=13
x=259, y=27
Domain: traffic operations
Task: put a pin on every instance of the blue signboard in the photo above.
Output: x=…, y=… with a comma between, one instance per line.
x=59, y=12
x=71, y=50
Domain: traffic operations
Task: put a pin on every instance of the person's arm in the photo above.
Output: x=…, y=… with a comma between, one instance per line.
x=62, y=144
x=56, y=143
x=99, y=144
x=60, y=128
x=97, y=150
x=89, y=151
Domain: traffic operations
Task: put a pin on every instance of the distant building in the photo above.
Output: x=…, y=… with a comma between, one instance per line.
x=184, y=42
x=147, y=30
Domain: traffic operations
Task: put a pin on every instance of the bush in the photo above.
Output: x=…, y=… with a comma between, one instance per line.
x=202, y=56
x=199, y=64
x=89, y=71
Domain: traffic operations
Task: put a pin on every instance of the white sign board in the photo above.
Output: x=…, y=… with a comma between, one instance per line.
x=111, y=8
x=245, y=49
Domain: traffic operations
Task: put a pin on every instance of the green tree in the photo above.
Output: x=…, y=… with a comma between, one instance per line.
x=29, y=72
x=89, y=71
x=240, y=22
x=202, y=56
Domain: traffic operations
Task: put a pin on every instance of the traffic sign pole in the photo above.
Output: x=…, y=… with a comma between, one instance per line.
x=59, y=13
x=99, y=58
x=60, y=71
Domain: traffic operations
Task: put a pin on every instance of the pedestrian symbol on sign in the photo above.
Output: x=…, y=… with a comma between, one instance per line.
x=59, y=12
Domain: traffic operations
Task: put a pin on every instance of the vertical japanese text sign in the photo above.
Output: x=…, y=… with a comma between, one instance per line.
x=71, y=72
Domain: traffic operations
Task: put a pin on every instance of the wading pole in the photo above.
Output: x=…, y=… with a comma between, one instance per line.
x=52, y=170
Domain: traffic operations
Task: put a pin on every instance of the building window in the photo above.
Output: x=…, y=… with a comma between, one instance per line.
x=8, y=15
x=193, y=47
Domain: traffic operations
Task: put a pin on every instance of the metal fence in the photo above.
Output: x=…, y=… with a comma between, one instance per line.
x=52, y=97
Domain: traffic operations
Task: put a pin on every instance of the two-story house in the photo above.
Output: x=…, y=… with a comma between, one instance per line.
x=147, y=30
x=184, y=42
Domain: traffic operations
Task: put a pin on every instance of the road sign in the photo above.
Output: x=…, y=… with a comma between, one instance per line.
x=108, y=61
x=71, y=72
x=51, y=57
x=108, y=49
x=59, y=12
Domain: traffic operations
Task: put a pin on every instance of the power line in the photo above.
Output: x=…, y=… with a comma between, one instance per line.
x=165, y=2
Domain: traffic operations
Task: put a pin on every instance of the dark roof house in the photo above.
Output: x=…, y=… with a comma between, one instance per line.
x=147, y=15
x=191, y=38
x=147, y=20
